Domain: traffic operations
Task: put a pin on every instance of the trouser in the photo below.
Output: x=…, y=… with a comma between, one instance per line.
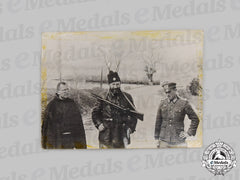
x=163, y=144
x=113, y=137
x=112, y=146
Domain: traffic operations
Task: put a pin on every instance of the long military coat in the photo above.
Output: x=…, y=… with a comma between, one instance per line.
x=62, y=125
x=115, y=122
x=170, y=120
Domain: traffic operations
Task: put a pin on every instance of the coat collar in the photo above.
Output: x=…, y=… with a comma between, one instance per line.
x=174, y=100
x=58, y=99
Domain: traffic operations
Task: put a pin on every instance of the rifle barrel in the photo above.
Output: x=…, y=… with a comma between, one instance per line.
x=139, y=115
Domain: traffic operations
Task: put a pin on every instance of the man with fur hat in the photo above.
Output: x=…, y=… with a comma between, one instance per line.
x=169, y=127
x=114, y=125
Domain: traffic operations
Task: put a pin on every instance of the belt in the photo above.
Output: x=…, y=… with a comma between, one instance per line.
x=66, y=133
x=108, y=119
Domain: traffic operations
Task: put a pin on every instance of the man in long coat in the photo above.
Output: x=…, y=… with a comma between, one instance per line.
x=115, y=126
x=62, y=126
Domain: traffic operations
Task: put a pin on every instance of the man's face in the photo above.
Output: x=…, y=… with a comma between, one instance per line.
x=63, y=91
x=115, y=87
x=171, y=93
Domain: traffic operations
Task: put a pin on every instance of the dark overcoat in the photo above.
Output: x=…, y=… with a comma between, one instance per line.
x=62, y=125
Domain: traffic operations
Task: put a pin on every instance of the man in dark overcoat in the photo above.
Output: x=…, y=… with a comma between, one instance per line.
x=114, y=125
x=62, y=126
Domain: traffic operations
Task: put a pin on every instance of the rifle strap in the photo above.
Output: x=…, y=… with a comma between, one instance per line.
x=132, y=105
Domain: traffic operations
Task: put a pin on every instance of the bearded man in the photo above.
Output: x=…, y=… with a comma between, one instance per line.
x=114, y=125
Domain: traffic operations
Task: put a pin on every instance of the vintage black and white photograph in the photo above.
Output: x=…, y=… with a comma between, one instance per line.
x=122, y=89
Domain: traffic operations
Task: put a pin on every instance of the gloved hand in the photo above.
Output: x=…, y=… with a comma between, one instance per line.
x=101, y=127
x=129, y=131
x=183, y=134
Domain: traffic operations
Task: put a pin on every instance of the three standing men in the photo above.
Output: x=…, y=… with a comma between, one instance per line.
x=169, y=127
x=114, y=126
x=62, y=125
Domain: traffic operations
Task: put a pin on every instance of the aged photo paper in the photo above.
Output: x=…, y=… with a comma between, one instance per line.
x=122, y=89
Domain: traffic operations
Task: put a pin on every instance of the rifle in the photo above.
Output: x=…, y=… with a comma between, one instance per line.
x=132, y=112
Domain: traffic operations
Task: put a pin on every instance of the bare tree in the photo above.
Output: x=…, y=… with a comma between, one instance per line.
x=150, y=60
x=113, y=58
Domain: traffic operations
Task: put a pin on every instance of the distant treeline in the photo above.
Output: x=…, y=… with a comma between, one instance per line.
x=125, y=82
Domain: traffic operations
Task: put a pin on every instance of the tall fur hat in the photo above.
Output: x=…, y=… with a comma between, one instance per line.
x=113, y=77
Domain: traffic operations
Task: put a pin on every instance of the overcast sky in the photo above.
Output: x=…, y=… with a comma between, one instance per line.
x=177, y=54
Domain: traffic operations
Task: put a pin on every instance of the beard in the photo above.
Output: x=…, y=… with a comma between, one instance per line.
x=115, y=91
